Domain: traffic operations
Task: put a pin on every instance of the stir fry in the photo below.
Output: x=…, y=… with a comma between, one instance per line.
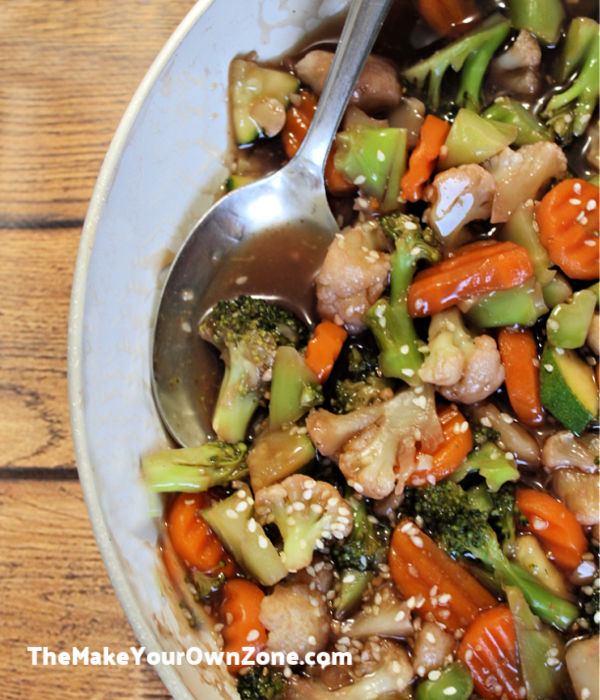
x=414, y=480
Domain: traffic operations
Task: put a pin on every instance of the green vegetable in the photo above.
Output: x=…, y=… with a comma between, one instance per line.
x=543, y=18
x=510, y=111
x=204, y=585
x=491, y=463
x=251, y=86
x=569, y=323
x=276, y=454
x=294, y=388
x=521, y=305
x=194, y=469
x=469, y=56
x=568, y=388
x=463, y=531
x=233, y=182
x=358, y=557
x=389, y=319
x=521, y=228
x=473, y=139
x=248, y=332
x=261, y=683
x=569, y=111
x=454, y=681
x=556, y=291
x=363, y=385
x=374, y=159
x=541, y=650
x=245, y=539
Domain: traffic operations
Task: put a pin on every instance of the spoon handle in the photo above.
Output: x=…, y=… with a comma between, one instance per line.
x=361, y=27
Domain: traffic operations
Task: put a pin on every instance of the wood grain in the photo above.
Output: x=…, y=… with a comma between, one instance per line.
x=69, y=69
x=56, y=593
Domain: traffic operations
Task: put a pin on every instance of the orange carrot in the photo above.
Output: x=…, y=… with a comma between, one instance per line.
x=192, y=538
x=444, y=16
x=418, y=567
x=489, y=650
x=448, y=457
x=422, y=160
x=323, y=348
x=568, y=220
x=240, y=612
x=519, y=355
x=555, y=526
x=477, y=268
x=297, y=122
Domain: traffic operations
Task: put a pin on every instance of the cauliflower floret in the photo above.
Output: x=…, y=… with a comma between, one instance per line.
x=517, y=69
x=519, y=175
x=306, y=512
x=432, y=647
x=297, y=619
x=383, y=670
x=458, y=196
x=381, y=453
x=353, y=276
x=462, y=368
x=377, y=88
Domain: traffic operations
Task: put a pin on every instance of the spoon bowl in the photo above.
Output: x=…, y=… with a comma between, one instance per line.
x=290, y=205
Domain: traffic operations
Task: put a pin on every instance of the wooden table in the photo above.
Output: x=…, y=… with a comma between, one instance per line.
x=68, y=69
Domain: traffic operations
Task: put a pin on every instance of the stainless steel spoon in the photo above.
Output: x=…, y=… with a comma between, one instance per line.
x=292, y=200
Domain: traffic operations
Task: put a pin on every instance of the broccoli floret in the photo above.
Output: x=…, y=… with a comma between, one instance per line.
x=569, y=111
x=358, y=557
x=469, y=55
x=591, y=606
x=194, y=469
x=491, y=463
x=463, y=531
x=306, y=513
x=483, y=433
x=505, y=516
x=363, y=385
x=204, y=585
x=389, y=319
x=261, y=683
x=248, y=332
x=235, y=525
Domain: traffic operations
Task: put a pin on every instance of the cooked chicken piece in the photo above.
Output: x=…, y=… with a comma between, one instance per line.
x=564, y=449
x=353, y=276
x=297, y=619
x=580, y=493
x=582, y=664
x=378, y=86
x=458, y=196
x=432, y=646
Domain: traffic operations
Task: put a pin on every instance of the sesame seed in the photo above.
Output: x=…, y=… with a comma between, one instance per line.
x=552, y=661
x=420, y=402
x=591, y=205
x=450, y=690
x=348, y=578
x=539, y=524
x=589, y=241
x=434, y=675
x=404, y=349
x=410, y=226
x=586, y=694
x=360, y=179
x=307, y=495
x=287, y=672
x=444, y=598
x=553, y=325
x=241, y=506
x=400, y=615
x=299, y=506
x=312, y=640
x=548, y=368
x=430, y=637
x=486, y=422
x=464, y=426
x=506, y=418
x=380, y=155
x=252, y=636
x=230, y=513
x=468, y=655
x=420, y=670
x=316, y=508
x=358, y=487
x=408, y=372
x=417, y=541
x=263, y=543
x=577, y=188
x=575, y=201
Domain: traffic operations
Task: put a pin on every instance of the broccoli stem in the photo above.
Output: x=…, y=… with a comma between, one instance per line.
x=294, y=388
x=521, y=305
x=556, y=291
x=350, y=590
x=492, y=465
x=195, y=469
x=546, y=605
x=510, y=111
x=454, y=680
x=543, y=18
x=234, y=408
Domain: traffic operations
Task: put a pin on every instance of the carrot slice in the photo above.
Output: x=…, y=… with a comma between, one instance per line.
x=240, y=612
x=555, y=526
x=567, y=218
x=456, y=445
x=476, y=269
x=438, y=584
x=298, y=120
x=444, y=16
x=519, y=355
x=489, y=650
x=323, y=348
x=422, y=160
x=192, y=537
